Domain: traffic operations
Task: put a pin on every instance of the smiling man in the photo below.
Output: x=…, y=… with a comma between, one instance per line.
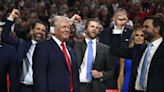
x=25, y=48
x=55, y=65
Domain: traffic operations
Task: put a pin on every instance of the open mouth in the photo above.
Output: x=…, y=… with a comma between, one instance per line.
x=122, y=19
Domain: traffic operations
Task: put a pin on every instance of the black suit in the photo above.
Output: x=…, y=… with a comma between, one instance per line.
x=22, y=47
x=8, y=65
x=51, y=73
x=103, y=62
x=155, y=74
x=115, y=40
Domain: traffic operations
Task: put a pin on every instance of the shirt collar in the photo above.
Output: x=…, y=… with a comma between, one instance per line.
x=157, y=42
x=34, y=42
x=115, y=27
x=93, y=40
x=56, y=40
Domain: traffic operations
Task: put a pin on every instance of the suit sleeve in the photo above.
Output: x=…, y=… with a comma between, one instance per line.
x=122, y=52
x=6, y=37
x=40, y=61
x=13, y=70
x=109, y=65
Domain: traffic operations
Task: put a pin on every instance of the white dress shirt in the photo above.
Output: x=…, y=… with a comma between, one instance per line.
x=155, y=44
x=59, y=44
x=29, y=76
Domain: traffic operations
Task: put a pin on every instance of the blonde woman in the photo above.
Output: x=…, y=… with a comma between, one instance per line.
x=137, y=37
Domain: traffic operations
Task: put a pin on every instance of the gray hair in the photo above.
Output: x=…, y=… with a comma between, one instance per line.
x=120, y=10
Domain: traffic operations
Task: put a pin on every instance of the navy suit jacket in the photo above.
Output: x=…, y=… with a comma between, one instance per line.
x=112, y=40
x=115, y=40
x=155, y=74
x=51, y=73
x=8, y=65
x=22, y=46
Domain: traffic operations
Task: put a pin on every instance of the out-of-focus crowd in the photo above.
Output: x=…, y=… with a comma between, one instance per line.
x=102, y=9
x=81, y=45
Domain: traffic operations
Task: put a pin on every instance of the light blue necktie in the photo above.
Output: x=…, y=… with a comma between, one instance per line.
x=144, y=65
x=89, y=60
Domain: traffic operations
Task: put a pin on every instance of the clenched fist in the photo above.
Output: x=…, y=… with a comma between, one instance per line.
x=15, y=14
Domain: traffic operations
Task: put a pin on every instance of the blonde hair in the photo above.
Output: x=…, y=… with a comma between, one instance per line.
x=131, y=43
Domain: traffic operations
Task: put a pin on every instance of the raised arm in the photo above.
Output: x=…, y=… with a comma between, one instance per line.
x=6, y=37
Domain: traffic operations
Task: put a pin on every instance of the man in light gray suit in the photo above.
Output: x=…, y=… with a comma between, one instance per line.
x=94, y=60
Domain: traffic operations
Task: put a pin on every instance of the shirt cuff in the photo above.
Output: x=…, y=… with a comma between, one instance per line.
x=10, y=18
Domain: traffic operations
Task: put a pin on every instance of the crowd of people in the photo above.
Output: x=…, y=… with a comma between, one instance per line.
x=81, y=46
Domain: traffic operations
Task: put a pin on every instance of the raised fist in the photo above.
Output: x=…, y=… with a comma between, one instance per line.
x=75, y=18
x=121, y=20
x=15, y=14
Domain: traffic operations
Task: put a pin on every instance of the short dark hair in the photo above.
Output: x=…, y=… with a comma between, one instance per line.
x=38, y=21
x=32, y=26
x=91, y=19
x=157, y=22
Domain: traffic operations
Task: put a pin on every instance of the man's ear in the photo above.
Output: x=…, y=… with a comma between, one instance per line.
x=157, y=29
x=31, y=32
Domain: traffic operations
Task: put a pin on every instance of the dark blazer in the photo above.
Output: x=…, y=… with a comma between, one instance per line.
x=156, y=73
x=110, y=39
x=22, y=46
x=103, y=62
x=115, y=40
x=8, y=65
x=50, y=69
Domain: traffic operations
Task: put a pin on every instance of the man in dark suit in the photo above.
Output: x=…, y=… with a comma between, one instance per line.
x=117, y=35
x=8, y=66
x=154, y=74
x=55, y=66
x=101, y=66
x=24, y=48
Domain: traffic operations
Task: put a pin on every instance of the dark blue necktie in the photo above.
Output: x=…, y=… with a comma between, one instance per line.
x=144, y=65
x=89, y=60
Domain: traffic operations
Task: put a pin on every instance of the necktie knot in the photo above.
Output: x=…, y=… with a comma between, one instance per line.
x=62, y=44
x=149, y=45
x=90, y=42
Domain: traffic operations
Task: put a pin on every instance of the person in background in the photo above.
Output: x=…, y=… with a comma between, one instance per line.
x=118, y=35
x=137, y=37
x=8, y=66
x=94, y=60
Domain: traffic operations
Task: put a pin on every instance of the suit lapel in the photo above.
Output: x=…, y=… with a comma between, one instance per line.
x=58, y=51
x=23, y=48
x=83, y=49
x=157, y=56
x=98, y=53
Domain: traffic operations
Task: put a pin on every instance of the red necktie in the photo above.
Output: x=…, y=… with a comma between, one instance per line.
x=69, y=66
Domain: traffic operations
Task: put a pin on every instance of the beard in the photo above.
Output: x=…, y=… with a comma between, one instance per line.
x=148, y=36
x=39, y=37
